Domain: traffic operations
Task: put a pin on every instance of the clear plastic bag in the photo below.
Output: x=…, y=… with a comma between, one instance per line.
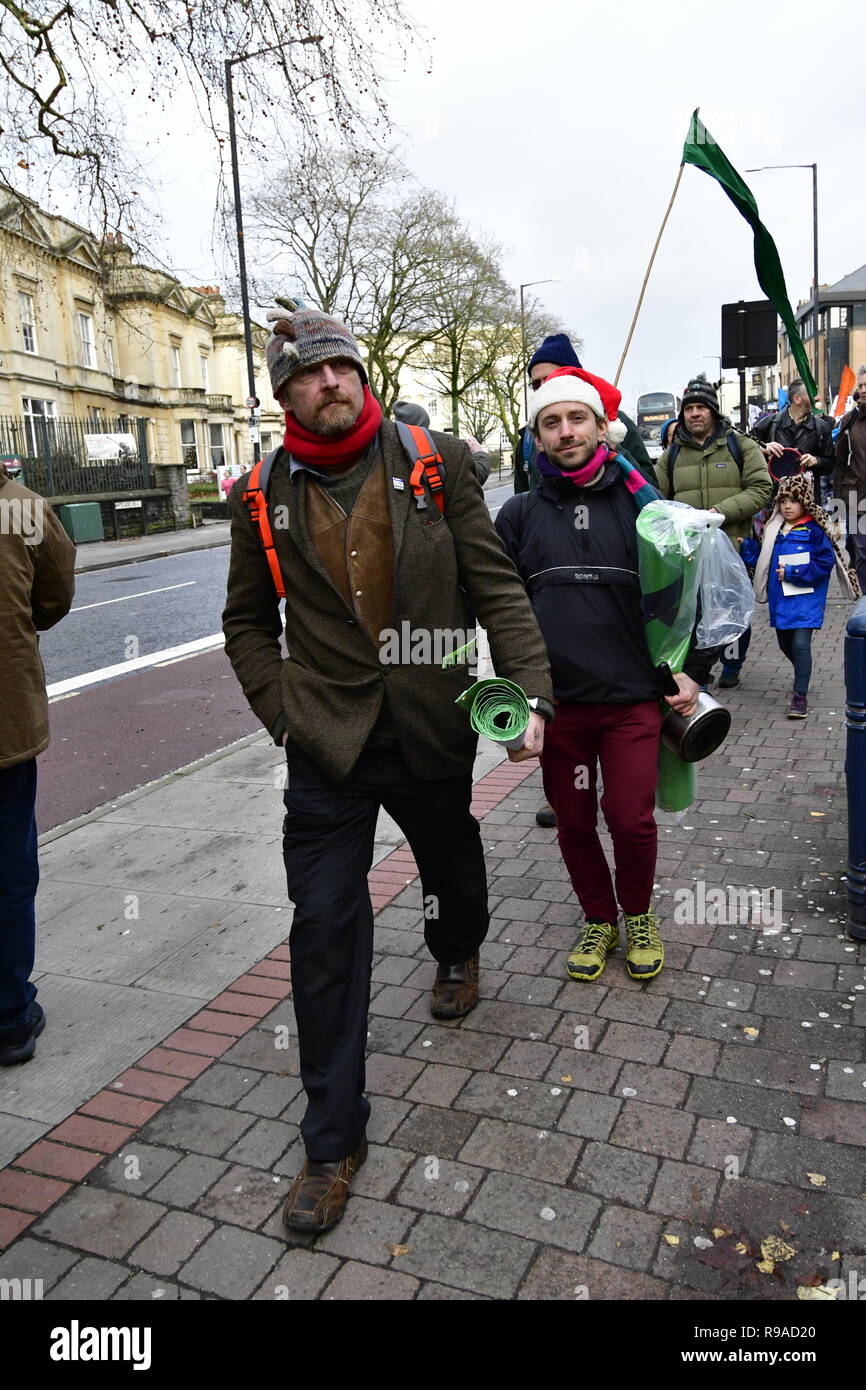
x=727, y=596
x=687, y=564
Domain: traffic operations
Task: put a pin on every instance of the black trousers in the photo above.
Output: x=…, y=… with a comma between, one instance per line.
x=328, y=838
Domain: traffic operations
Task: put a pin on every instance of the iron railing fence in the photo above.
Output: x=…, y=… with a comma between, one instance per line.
x=56, y=461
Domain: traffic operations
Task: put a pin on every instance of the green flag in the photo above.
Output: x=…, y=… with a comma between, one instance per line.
x=701, y=150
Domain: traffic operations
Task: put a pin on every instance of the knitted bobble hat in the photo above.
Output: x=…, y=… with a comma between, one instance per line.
x=576, y=384
x=700, y=392
x=302, y=337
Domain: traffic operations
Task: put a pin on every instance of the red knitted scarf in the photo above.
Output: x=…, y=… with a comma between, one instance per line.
x=329, y=450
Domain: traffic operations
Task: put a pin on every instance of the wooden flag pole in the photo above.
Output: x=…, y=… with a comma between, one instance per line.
x=646, y=278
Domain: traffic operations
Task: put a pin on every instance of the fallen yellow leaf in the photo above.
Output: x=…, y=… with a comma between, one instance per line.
x=672, y=1240
x=817, y=1179
x=741, y=1249
x=396, y=1250
x=766, y=1266
x=751, y=1032
x=719, y=1231
x=820, y=1291
x=816, y=814
x=835, y=1256
x=774, y=1248
x=566, y=1078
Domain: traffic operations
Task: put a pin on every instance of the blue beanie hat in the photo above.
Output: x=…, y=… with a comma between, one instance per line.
x=557, y=349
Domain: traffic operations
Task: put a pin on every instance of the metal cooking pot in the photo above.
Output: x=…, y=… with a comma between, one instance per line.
x=699, y=735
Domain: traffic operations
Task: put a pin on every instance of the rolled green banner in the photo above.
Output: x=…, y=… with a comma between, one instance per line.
x=498, y=709
x=677, y=784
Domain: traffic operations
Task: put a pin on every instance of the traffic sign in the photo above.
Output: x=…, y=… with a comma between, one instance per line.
x=252, y=402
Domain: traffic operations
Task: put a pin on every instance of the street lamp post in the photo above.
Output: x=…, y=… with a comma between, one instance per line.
x=528, y=286
x=239, y=229
x=814, y=168
x=242, y=260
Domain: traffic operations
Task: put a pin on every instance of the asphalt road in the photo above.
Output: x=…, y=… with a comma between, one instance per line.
x=128, y=703
x=136, y=611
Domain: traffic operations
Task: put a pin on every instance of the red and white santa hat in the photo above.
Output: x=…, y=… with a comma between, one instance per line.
x=575, y=384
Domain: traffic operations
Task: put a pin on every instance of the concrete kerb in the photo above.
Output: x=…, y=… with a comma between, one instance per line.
x=91, y=564
x=141, y=559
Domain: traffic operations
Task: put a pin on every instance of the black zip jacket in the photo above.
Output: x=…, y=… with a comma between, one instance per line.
x=576, y=552
x=813, y=435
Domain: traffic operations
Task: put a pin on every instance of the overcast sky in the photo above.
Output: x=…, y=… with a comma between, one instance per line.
x=559, y=128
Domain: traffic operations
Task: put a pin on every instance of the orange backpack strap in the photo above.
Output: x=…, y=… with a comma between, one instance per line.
x=426, y=464
x=256, y=499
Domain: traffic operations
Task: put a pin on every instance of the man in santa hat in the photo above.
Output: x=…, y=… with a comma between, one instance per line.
x=574, y=543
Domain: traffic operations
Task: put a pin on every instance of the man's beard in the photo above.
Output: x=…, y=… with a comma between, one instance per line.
x=572, y=462
x=335, y=417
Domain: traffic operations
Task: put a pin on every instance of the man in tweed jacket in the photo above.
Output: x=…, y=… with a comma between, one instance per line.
x=374, y=576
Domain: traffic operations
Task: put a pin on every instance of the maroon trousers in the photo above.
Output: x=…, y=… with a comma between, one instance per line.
x=625, y=740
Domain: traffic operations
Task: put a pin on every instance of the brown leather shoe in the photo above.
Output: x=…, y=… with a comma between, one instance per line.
x=455, y=989
x=317, y=1198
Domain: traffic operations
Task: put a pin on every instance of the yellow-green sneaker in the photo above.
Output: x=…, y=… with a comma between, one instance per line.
x=644, y=952
x=589, y=956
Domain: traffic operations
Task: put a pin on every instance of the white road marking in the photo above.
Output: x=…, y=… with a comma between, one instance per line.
x=124, y=598
x=138, y=663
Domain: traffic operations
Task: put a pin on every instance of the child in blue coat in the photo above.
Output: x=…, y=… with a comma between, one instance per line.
x=798, y=555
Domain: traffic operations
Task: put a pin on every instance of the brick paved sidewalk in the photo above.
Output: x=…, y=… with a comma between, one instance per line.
x=607, y=1141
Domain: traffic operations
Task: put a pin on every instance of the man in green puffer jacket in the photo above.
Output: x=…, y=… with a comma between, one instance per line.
x=707, y=474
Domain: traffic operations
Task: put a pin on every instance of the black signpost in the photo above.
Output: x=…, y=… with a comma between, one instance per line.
x=749, y=335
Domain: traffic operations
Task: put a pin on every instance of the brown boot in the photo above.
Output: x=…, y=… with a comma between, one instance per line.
x=455, y=989
x=318, y=1196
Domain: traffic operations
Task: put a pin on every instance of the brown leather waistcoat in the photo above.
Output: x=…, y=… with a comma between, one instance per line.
x=357, y=550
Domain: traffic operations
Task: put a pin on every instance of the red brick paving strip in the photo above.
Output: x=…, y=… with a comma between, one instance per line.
x=28, y=1192
x=230, y=1025
x=188, y=1039
x=185, y=1064
x=261, y=985
x=232, y=1001
x=60, y=1160
x=92, y=1134
x=150, y=1084
x=126, y=1110
x=12, y=1223
x=140, y=1092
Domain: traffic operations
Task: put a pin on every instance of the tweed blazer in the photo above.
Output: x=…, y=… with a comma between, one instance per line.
x=330, y=685
x=37, y=582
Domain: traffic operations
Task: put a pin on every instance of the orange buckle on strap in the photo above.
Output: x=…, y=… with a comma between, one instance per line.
x=426, y=467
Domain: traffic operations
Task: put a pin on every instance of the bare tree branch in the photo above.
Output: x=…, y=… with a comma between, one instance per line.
x=314, y=61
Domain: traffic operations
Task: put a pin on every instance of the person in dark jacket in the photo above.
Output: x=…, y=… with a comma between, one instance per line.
x=849, y=479
x=557, y=351
x=574, y=543
x=798, y=427
x=366, y=717
x=798, y=555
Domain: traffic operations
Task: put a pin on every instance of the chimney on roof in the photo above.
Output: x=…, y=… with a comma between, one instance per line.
x=114, y=244
x=207, y=289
